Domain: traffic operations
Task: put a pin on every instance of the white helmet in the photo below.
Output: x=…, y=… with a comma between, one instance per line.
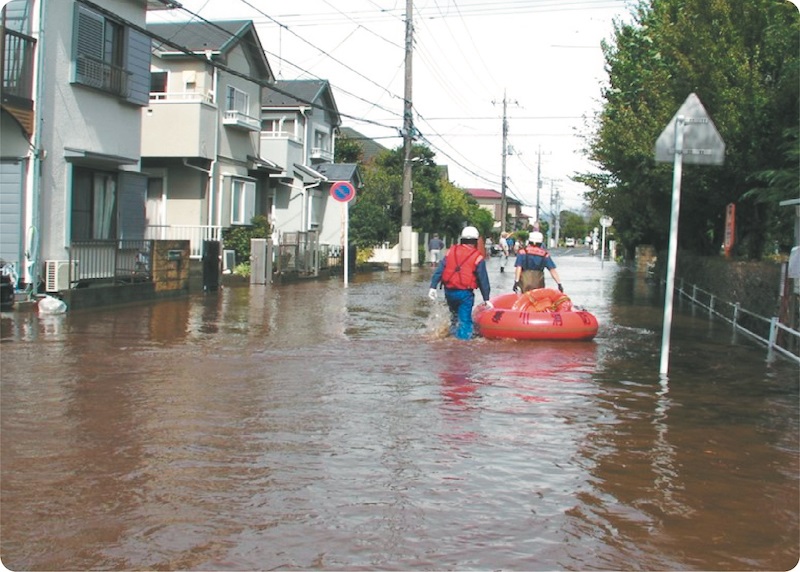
x=470, y=232
x=536, y=237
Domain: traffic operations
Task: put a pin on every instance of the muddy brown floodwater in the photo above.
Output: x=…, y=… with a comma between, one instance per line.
x=311, y=426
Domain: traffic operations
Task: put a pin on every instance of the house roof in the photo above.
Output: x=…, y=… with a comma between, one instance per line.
x=339, y=171
x=298, y=93
x=216, y=38
x=491, y=195
x=370, y=147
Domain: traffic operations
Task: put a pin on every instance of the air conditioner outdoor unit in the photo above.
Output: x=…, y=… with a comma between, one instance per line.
x=57, y=274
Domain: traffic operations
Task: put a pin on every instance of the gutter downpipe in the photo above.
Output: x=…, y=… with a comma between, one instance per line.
x=30, y=272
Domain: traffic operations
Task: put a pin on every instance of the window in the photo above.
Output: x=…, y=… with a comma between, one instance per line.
x=99, y=51
x=237, y=100
x=158, y=82
x=321, y=140
x=243, y=201
x=94, y=204
x=280, y=127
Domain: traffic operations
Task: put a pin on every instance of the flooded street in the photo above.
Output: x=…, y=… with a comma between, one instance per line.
x=313, y=426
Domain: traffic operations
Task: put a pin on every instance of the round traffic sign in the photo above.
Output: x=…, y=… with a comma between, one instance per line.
x=343, y=191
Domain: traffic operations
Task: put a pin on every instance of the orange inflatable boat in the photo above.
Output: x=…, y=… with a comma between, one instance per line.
x=541, y=314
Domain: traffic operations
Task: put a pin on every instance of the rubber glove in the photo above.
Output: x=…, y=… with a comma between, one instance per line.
x=516, y=287
x=560, y=287
x=488, y=304
x=432, y=294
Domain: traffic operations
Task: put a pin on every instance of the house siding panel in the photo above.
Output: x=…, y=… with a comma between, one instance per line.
x=11, y=211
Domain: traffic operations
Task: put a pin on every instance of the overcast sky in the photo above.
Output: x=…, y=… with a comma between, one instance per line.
x=544, y=55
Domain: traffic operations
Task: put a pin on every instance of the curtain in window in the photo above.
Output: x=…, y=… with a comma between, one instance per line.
x=105, y=189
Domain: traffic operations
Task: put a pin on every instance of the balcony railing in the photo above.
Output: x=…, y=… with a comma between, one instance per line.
x=173, y=96
x=196, y=235
x=238, y=119
x=102, y=75
x=16, y=64
x=321, y=153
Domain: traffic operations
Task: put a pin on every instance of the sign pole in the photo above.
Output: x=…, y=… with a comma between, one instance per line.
x=346, y=207
x=673, y=243
x=344, y=192
x=700, y=145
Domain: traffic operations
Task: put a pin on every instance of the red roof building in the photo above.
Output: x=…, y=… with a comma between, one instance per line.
x=491, y=199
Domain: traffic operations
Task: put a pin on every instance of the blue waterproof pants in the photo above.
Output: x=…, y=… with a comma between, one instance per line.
x=460, y=303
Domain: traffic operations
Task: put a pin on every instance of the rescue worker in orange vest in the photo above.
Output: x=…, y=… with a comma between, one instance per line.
x=530, y=264
x=461, y=271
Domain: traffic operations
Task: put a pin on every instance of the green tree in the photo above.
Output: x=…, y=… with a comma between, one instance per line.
x=348, y=151
x=572, y=225
x=237, y=238
x=741, y=58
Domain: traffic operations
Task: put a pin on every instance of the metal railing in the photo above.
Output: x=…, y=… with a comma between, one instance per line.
x=195, y=234
x=99, y=74
x=769, y=331
x=16, y=64
x=110, y=261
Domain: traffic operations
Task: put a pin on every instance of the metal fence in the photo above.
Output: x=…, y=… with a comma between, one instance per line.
x=301, y=252
x=110, y=260
x=770, y=331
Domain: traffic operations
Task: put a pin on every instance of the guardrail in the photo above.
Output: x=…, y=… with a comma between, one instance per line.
x=770, y=331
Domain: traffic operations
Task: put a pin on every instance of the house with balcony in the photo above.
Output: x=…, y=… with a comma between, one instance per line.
x=75, y=77
x=299, y=124
x=491, y=200
x=201, y=131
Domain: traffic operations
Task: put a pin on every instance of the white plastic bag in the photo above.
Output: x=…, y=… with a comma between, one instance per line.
x=51, y=305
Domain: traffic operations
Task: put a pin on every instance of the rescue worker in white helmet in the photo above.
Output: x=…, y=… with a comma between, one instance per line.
x=530, y=264
x=461, y=271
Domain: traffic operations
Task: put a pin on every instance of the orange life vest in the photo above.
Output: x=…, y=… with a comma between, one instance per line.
x=459, y=267
x=543, y=300
x=535, y=251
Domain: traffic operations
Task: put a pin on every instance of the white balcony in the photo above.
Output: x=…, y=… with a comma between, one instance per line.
x=179, y=125
x=239, y=120
x=322, y=154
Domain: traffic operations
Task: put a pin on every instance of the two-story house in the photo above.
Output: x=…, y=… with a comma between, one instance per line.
x=200, y=131
x=299, y=123
x=76, y=74
x=491, y=200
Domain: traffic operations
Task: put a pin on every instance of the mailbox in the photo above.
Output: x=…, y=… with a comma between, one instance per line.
x=174, y=255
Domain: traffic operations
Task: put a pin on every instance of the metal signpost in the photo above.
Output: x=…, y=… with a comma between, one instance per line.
x=690, y=137
x=605, y=222
x=344, y=192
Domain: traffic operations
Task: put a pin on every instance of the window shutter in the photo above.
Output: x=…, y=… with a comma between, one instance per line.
x=88, y=43
x=137, y=62
x=132, y=205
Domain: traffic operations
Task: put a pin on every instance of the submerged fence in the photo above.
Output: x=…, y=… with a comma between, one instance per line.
x=769, y=331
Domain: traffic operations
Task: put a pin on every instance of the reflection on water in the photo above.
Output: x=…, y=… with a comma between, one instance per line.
x=316, y=427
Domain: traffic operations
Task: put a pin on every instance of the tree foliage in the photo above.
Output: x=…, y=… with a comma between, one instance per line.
x=437, y=205
x=741, y=58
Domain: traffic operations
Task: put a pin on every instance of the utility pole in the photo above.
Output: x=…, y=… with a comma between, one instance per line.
x=503, y=185
x=406, y=235
x=558, y=216
x=503, y=203
x=552, y=214
x=538, y=187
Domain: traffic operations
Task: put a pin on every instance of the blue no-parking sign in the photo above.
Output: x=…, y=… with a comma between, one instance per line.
x=343, y=191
